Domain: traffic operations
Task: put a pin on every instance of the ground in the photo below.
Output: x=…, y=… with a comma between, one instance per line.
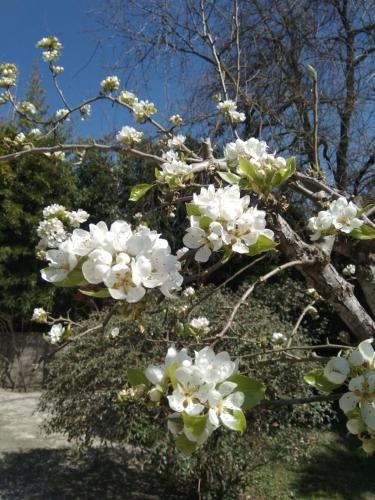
x=36, y=467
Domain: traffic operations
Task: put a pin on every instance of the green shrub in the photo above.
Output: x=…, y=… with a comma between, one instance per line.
x=84, y=380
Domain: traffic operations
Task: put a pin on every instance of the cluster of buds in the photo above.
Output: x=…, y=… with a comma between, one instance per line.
x=52, y=48
x=109, y=84
x=61, y=114
x=176, y=120
x=221, y=219
x=57, y=70
x=199, y=326
x=26, y=108
x=8, y=75
x=85, y=112
x=57, y=224
x=129, y=136
x=263, y=171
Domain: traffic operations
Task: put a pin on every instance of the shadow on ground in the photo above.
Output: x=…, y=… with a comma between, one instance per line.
x=58, y=474
x=338, y=471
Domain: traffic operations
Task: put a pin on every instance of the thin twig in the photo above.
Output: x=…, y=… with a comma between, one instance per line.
x=244, y=297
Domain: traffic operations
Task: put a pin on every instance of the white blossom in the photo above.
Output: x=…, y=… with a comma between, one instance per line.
x=199, y=323
x=55, y=334
x=173, y=166
x=337, y=370
x=234, y=224
x=341, y=216
x=126, y=261
x=229, y=109
x=39, y=315
x=349, y=270
x=188, y=292
x=278, y=338
x=35, y=133
x=61, y=261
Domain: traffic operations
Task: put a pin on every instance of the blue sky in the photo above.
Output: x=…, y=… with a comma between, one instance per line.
x=24, y=22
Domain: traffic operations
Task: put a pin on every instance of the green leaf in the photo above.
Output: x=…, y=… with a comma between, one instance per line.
x=99, y=294
x=252, y=389
x=185, y=446
x=171, y=374
x=240, y=426
x=74, y=278
x=227, y=255
x=195, y=425
x=312, y=72
x=192, y=209
x=317, y=379
x=229, y=177
x=204, y=222
x=157, y=173
x=284, y=174
x=137, y=377
x=365, y=209
x=263, y=244
x=363, y=233
x=139, y=191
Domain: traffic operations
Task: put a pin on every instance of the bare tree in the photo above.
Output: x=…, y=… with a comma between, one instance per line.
x=257, y=52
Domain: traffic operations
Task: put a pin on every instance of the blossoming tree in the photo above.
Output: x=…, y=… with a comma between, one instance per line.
x=236, y=204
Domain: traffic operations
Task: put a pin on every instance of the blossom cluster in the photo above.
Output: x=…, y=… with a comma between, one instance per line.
x=221, y=218
x=56, y=334
x=358, y=372
x=57, y=224
x=8, y=75
x=229, y=109
x=341, y=216
x=141, y=109
x=125, y=261
x=61, y=114
x=26, y=107
x=129, y=136
x=198, y=387
x=173, y=167
x=52, y=48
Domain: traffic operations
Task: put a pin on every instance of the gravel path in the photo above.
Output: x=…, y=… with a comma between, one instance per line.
x=38, y=467
x=19, y=423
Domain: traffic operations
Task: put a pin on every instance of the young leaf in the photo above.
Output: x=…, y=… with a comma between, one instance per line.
x=137, y=377
x=227, y=255
x=171, y=374
x=317, y=379
x=204, y=222
x=192, y=209
x=99, y=294
x=195, y=425
x=252, y=389
x=185, y=446
x=246, y=168
x=139, y=191
x=263, y=244
x=240, y=426
x=74, y=278
x=229, y=177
